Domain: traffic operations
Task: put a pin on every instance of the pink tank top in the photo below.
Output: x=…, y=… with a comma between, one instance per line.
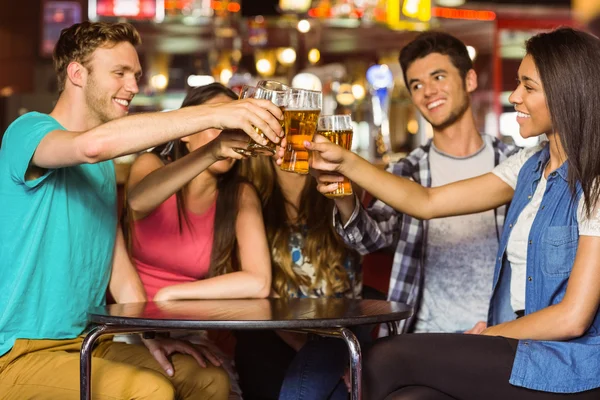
x=163, y=256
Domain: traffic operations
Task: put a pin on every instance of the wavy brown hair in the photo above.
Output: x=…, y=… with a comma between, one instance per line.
x=322, y=246
x=79, y=41
x=224, y=257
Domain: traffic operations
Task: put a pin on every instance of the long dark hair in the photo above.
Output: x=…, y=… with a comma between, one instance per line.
x=223, y=258
x=568, y=62
x=322, y=246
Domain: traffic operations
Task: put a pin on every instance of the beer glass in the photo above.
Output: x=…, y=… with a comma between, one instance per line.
x=278, y=97
x=338, y=129
x=246, y=92
x=272, y=85
x=278, y=94
x=300, y=123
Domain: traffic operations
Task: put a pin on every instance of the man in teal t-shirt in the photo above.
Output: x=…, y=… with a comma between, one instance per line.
x=60, y=243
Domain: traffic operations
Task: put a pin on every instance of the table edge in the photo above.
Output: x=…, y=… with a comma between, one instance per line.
x=247, y=324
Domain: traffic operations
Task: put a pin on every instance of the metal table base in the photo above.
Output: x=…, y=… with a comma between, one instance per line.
x=344, y=334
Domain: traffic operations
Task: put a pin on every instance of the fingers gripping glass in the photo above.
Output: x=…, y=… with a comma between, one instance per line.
x=300, y=123
x=338, y=129
x=278, y=94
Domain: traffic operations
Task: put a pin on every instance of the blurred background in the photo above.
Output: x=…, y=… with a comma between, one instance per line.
x=346, y=48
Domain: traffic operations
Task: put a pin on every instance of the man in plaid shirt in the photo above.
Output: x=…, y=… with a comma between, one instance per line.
x=442, y=267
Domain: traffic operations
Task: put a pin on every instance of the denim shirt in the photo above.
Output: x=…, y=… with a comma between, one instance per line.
x=552, y=366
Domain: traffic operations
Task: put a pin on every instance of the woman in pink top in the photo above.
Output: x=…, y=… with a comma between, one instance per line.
x=197, y=227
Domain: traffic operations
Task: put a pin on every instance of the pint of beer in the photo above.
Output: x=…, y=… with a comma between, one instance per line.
x=278, y=94
x=300, y=123
x=338, y=129
x=246, y=92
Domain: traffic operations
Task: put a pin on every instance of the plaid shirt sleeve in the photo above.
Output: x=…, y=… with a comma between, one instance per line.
x=374, y=228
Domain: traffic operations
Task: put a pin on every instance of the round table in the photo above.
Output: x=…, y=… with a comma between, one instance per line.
x=322, y=316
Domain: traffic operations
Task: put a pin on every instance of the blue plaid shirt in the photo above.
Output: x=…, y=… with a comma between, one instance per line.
x=381, y=226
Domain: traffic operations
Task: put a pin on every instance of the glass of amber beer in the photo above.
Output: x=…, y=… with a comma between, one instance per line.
x=300, y=124
x=338, y=129
x=280, y=98
x=278, y=94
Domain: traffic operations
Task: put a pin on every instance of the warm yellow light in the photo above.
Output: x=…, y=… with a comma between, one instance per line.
x=286, y=56
x=344, y=95
x=314, y=55
x=225, y=76
x=450, y=3
x=263, y=66
x=296, y=6
x=303, y=26
x=159, y=81
x=412, y=127
x=358, y=91
x=7, y=91
x=199, y=80
x=236, y=55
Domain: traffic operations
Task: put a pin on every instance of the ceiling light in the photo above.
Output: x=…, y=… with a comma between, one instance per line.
x=159, y=82
x=314, y=55
x=199, y=80
x=263, y=66
x=303, y=26
x=358, y=91
x=450, y=3
x=472, y=52
x=286, y=56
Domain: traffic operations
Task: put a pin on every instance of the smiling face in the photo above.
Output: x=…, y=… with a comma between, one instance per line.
x=529, y=100
x=197, y=140
x=438, y=91
x=111, y=82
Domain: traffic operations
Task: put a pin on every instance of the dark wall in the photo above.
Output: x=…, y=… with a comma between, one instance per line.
x=19, y=38
x=251, y=8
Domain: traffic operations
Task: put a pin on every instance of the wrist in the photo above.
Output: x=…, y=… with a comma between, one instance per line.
x=345, y=165
x=205, y=117
x=212, y=150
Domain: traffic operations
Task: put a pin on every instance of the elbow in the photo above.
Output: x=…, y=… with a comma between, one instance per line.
x=92, y=150
x=576, y=326
x=264, y=291
x=575, y=329
x=427, y=214
x=135, y=204
x=263, y=288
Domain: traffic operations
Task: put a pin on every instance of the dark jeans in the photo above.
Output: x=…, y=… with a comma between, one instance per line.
x=269, y=369
x=316, y=371
x=446, y=367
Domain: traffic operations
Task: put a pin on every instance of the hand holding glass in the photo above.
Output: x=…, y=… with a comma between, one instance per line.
x=278, y=94
x=338, y=129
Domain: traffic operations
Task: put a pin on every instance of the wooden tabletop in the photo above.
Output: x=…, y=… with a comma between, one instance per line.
x=251, y=313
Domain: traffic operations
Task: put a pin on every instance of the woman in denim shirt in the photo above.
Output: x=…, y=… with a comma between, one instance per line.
x=542, y=339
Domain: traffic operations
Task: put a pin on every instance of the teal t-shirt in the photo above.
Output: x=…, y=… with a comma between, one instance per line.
x=57, y=236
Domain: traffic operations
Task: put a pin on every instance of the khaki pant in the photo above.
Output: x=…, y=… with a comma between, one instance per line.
x=49, y=369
